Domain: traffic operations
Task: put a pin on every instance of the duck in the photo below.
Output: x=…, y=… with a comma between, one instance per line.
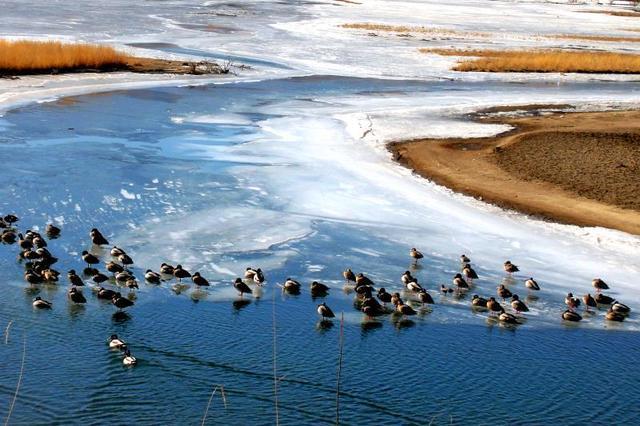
x=325, y=311
x=258, y=277
x=131, y=282
x=114, y=267
x=504, y=292
x=371, y=307
x=8, y=236
x=125, y=260
x=406, y=278
x=152, y=277
x=123, y=276
x=116, y=343
x=32, y=277
x=494, y=306
x=414, y=286
x=291, y=286
x=478, y=302
x=50, y=275
x=76, y=297
x=444, y=290
x=464, y=259
x=602, y=299
x=180, y=273
x=40, y=303
x=415, y=254
x=99, y=278
x=349, y=275
x=384, y=296
x=518, y=305
x=531, y=284
x=121, y=302
x=97, y=238
x=116, y=252
x=105, y=293
x=599, y=284
x=395, y=299
x=510, y=267
x=249, y=273
x=589, y=301
x=425, y=298
x=620, y=308
x=318, y=289
x=39, y=242
x=89, y=259
x=52, y=231
x=612, y=315
x=361, y=279
x=166, y=269
x=129, y=359
x=25, y=243
x=571, y=302
x=239, y=285
x=74, y=279
x=10, y=219
x=199, y=280
x=29, y=255
x=46, y=256
x=469, y=272
x=570, y=315
x=508, y=318
x=405, y=310
x=459, y=282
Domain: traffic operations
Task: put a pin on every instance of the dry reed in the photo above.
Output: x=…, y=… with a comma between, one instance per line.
x=338, y=374
x=25, y=56
x=543, y=61
x=370, y=26
x=15, y=395
x=224, y=401
x=596, y=38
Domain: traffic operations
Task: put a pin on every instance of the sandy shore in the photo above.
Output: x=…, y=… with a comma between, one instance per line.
x=577, y=168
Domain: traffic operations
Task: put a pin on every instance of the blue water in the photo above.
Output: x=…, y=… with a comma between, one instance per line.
x=69, y=161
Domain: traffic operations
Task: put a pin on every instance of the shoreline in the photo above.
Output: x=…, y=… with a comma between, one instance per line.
x=579, y=168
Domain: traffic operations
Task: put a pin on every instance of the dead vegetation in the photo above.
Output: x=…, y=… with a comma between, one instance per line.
x=25, y=57
x=563, y=61
x=628, y=14
x=404, y=29
x=596, y=38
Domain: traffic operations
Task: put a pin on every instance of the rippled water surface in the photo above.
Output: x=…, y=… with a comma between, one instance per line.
x=227, y=176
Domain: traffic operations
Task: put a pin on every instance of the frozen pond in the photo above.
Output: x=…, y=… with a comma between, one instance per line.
x=291, y=175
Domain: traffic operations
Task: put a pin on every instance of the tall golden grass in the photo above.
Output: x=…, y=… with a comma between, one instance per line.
x=543, y=61
x=371, y=26
x=25, y=56
x=596, y=38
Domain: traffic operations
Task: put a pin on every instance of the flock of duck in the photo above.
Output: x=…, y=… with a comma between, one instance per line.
x=39, y=262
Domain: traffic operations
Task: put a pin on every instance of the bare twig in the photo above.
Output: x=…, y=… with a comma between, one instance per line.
x=6, y=332
x=340, y=350
x=224, y=400
x=275, y=361
x=15, y=395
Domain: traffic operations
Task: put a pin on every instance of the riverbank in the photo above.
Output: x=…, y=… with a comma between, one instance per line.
x=576, y=168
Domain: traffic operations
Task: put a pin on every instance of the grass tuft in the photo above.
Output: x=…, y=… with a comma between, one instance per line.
x=26, y=56
x=543, y=61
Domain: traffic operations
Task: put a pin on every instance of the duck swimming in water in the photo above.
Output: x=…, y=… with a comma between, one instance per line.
x=469, y=272
x=611, y=315
x=318, y=289
x=52, y=231
x=425, y=298
x=105, y=293
x=510, y=267
x=89, y=259
x=325, y=311
x=620, y=308
x=129, y=359
x=445, y=290
x=116, y=343
x=166, y=269
x=508, y=318
x=125, y=260
x=114, y=267
x=459, y=282
x=384, y=296
x=258, y=277
x=76, y=297
x=291, y=286
x=494, y=306
x=121, y=302
x=239, y=285
x=116, y=252
x=464, y=259
x=478, y=302
x=414, y=286
x=361, y=279
x=603, y=299
x=40, y=303
x=406, y=278
x=249, y=273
